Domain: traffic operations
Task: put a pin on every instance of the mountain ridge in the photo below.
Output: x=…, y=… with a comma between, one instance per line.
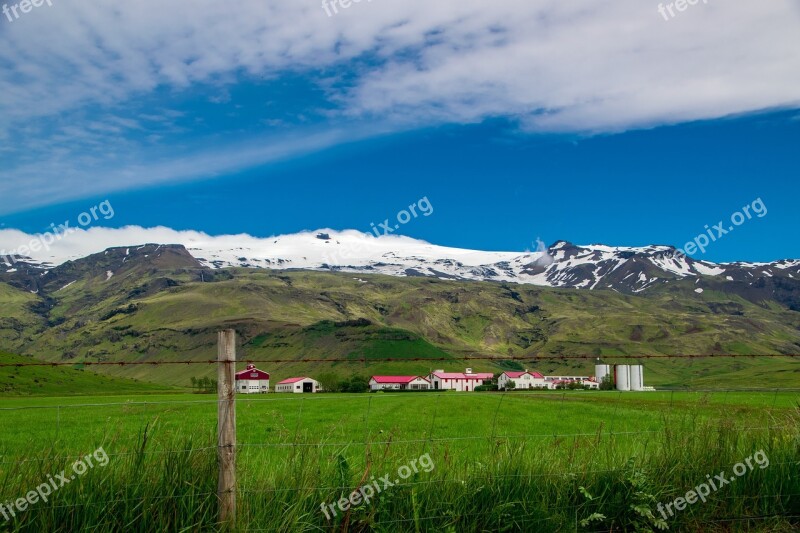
x=627, y=270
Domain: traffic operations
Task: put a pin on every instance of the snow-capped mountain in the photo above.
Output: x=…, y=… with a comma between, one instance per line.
x=623, y=269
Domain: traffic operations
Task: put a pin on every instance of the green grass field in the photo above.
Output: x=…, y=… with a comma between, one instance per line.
x=543, y=461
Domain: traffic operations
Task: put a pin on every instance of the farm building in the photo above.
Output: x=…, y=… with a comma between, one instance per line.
x=458, y=381
x=398, y=383
x=522, y=380
x=554, y=382
x=252, y=381
x=298, y=385
x=564, y=383
x=625, y=377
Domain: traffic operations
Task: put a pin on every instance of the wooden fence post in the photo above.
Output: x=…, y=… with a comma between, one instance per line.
x=226, y=427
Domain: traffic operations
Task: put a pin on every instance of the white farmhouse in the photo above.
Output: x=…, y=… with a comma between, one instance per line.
x=522, y=380
x=466, y=382
x=252, y=381
x=298, y=385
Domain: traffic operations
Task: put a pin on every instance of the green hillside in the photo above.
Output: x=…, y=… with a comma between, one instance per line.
x=148, y=314
x=63, y=381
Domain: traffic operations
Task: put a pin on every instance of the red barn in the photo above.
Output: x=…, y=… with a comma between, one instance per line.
x=252, y=381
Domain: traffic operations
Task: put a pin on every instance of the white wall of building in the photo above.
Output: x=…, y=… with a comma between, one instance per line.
x=374, y=385
x=419, y=384
x=252, y=386
x=416, y=384
x=461, y=384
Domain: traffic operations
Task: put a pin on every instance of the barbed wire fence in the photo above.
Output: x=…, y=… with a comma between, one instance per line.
x=228, y=446
x=452, y=359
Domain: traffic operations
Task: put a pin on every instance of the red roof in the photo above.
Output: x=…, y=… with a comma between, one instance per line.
x=292, y=380
x=517, y=375
x=461, y=375
x=395, y=379
x=251, y=372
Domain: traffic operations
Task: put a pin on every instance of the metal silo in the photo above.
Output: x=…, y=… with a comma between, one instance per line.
x=637, y=378
x=601, y=371
x=622, y=375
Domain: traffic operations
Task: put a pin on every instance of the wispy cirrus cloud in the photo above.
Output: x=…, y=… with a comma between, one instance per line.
x=101, y=95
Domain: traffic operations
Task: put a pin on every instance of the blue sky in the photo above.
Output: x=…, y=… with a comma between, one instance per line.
x=273, y=119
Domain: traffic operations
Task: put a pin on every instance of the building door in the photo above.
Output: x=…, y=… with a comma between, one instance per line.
x=436, y=385
x=308, y=387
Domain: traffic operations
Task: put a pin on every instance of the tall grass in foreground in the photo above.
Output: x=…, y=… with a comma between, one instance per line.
x=600, y=482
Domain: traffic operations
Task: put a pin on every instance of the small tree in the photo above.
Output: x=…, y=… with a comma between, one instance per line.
x=511, y=385
x=204, y=385
x=329, y=382
x=607, y=383
x=354, y=384
x=358, y=384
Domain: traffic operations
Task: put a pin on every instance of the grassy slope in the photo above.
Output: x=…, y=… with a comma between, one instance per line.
x=17, y=321
x=280, y=316
x=63, y=381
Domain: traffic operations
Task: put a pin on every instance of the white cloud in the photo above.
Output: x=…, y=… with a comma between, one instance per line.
x=59, y=178
x=583, y=65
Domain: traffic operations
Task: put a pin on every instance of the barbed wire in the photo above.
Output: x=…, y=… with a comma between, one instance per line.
x=140, y=499
x=491, y=477
x=244, y=445
x=365, y=360
x=119, y=454
x=289, y=397
x=595, y=434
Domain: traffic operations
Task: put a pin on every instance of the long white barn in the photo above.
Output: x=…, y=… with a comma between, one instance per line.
x=465, y=382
